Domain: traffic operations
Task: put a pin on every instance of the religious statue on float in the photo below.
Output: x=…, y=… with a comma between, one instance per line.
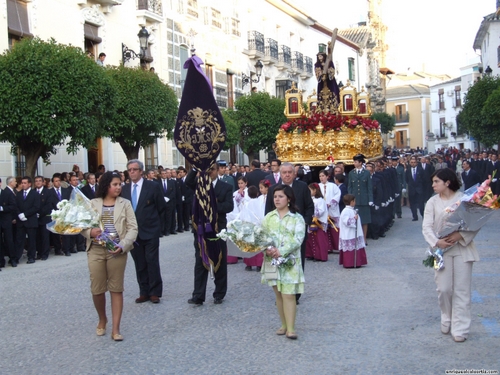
x=328, y=90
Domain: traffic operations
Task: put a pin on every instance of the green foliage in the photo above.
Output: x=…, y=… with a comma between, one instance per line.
x=146, y=109
x=51, y=94
x=259, y=117
x=480, y=114
x=232, y=128
x=386, y=121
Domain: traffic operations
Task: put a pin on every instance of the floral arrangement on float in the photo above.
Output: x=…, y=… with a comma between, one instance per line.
x=329, y=121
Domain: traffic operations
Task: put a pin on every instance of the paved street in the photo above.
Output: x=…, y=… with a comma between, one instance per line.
x=382, y=319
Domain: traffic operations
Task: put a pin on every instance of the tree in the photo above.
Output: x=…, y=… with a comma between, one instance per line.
x=259, y=117
x=232, y=128
x=481, y=109
x=51, y=94
x=146, y=109
x=386, y=121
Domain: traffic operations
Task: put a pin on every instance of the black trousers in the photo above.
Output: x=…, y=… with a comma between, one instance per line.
x=7, y=247
x=42, y=241
x=186, y=213
x=56, y=241
x=22, y=231
x=180, y=220
x=201, y=274
x=169, y=218
x=416, y=203
x=147, y=266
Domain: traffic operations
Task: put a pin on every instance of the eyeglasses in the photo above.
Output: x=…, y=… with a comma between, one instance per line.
x=133, y=169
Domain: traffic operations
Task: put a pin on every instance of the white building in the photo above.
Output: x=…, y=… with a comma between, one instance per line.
x=230, y=36
x=488, y=42
x=447, y=99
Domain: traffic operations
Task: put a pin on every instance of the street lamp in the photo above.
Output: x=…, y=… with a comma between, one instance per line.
x=488, y=70
x=258, y=72
x=128, y=54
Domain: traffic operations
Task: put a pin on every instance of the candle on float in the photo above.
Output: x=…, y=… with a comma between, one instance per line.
x=348, y=104
x=362, y=107
x=295, y=107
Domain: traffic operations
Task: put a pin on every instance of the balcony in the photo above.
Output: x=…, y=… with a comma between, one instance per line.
x=221, y=97
x=256, y=46
x=308, y=68
x=284, y=58
x=402, y=118
x=297, y=62
x=192, y=9
x=271, y=52
x=149, y=11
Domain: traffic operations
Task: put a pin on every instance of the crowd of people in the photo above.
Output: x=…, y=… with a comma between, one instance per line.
x=309, y=219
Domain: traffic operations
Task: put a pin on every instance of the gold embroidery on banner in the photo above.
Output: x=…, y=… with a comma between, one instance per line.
x=204, y=141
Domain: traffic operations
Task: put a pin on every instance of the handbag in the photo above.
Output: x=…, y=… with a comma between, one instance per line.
x=270, y=271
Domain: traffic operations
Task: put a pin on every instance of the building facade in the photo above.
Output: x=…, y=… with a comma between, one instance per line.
x=230, y=36
x=488, y=43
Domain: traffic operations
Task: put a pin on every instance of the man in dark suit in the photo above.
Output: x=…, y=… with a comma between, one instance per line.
x=48, y=202
x=224, y=195
x=168, y=188
x=91, y=187
x=179, y=222
x=275, y=177
x=256, y=175
x=225, y=177
x=8, y=209
x=28, y=205
x=303, y=201
x=415, y=184
x=148, y=203
x=469, y=176
x=186, y=196
x=427, y=171
x=58, y=191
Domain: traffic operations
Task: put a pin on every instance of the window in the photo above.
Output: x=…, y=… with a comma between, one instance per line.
x=91, y=34
x=458, y=97
x=151, y=156
x=221, y=97
x=184, y=55
x=402, y=115
x=281, y=86
x=177, y=158
x=18, y=22
x=441, y=101
x=20, y=164
x=235, y=27
x=216, y=18
x=351, y=68
x=192, y=8
x=442, y=127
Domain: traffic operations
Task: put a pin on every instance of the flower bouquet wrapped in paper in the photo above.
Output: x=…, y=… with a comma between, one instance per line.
x=73, y=215
x=469, y=214
x=246, y=239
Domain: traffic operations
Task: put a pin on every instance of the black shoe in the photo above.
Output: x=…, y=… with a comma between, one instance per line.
x=382, y=235
x=67, y=254
x=414, y=219
x=257, y=269
x=248, y=268
x=45, y=258
x=399, y=216
x=81, y=250
x=30, y=261
x=73, y=251
x=173, y=232
x=180, y=231
x=218, y=301
x=38, y=257
x=195, y=302
x=13, y=263
x=59, y=253
x=186, y=229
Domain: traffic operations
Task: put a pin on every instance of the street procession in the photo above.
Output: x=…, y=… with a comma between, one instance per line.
x=252, y=188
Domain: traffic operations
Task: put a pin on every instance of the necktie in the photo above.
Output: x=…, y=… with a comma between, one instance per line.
x=134, y=197
x=164, y=186
x=276, y=178
x=39, y=191
x=25, y=194
x=414, y=175
x=58, y=194
x=93, y=189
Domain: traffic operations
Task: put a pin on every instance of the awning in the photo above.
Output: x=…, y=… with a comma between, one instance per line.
x=17, y=17
x=91, y=33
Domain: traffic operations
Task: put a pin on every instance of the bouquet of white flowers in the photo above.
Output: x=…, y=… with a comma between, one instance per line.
x=249, y=238
x=74, y=215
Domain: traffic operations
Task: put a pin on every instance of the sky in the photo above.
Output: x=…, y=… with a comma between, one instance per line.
x=431, y=35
